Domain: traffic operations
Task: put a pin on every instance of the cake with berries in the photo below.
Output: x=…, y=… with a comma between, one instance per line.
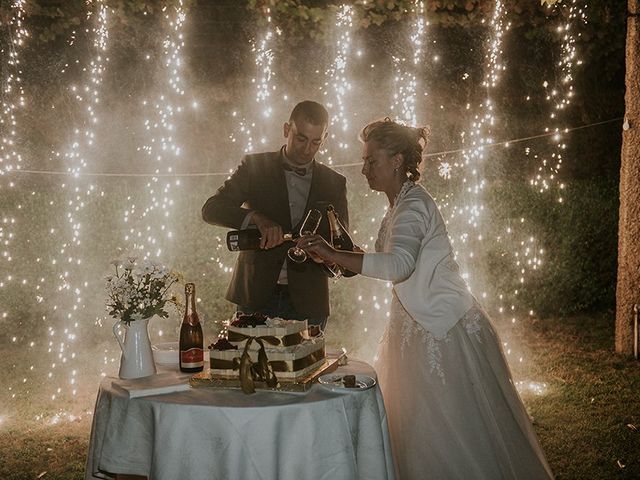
x=294, y=350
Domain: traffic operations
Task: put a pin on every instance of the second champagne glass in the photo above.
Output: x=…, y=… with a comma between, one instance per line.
x=309, y=227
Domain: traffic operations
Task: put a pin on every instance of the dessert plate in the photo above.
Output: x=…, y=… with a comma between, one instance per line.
x=337, y=381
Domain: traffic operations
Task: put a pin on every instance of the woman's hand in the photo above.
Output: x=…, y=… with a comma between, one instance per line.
x=317, y=247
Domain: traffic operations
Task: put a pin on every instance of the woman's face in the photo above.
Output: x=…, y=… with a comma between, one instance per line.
x=378, y=166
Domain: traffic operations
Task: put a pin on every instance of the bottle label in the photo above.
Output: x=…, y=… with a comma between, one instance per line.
x=192, y=358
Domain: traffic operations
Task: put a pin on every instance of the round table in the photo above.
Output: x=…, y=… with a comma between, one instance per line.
x=211, y=433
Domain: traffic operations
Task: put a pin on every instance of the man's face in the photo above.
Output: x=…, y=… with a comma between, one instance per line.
x=303, y=140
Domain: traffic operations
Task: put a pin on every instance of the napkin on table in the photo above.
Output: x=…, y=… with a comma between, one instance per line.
x=158, y=384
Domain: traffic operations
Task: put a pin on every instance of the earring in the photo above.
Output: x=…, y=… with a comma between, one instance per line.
x=395, y=170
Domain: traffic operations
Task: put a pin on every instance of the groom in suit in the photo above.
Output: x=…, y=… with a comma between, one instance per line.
x=273, y=192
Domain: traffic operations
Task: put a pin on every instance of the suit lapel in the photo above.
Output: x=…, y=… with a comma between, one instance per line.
x=315, y=193
x=316, y=186
x=280, y=193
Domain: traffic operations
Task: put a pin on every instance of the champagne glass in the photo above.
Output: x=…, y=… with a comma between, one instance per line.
x=334, y=271
x=309, y=227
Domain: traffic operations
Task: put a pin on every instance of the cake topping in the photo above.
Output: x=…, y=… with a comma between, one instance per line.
x=349, y=381
x=222, y=344
x=250, y=320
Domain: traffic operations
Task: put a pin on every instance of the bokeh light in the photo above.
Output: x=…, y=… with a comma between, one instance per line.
x=143, y=202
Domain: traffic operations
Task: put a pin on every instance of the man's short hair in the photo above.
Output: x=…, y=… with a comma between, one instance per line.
x=311, y=112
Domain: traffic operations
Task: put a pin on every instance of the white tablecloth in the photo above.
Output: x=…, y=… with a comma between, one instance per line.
x=208, y=433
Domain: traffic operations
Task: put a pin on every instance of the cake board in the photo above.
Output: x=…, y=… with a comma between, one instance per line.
x=331, y=363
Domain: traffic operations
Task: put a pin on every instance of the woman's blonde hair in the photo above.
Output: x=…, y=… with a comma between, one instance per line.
x=395, y=137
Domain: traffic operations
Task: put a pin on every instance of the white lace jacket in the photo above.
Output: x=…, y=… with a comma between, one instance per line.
x=416, y=255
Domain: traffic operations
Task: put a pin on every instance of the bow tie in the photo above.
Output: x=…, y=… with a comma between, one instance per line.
x=299, y=171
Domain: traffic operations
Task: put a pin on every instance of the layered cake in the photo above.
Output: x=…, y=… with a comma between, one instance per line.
x=293, y=349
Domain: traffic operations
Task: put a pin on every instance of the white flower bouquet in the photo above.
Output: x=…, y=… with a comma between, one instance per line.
x=139, y=289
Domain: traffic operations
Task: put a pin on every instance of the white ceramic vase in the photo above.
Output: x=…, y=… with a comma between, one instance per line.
x=137, y=358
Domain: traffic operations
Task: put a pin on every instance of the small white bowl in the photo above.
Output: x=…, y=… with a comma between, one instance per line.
x=166, y=353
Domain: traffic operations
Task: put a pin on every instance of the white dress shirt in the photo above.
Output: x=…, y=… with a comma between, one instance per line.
x=298, y=187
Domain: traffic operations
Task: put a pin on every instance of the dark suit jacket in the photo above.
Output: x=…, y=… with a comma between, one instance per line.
x=259, y=184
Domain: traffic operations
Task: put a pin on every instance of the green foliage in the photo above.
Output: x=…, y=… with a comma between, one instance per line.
x=51, y=20
x=578, y=271
x=600, y=39
x=315, y=19
x=305, y=17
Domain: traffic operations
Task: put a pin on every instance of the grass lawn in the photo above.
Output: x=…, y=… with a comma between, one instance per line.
x=587, y=419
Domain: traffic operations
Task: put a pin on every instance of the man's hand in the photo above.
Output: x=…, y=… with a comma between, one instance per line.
x=315, y=257
x=270, y=232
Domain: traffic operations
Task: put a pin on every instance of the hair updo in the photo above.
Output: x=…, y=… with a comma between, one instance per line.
x=398, y=138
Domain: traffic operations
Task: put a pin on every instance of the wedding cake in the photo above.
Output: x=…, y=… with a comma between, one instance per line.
x=293, y=350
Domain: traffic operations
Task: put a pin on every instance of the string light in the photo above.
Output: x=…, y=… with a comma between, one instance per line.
x=73, y=279
x=444, y=168
x=12, y=91
x=148, y=220
x=405, y=80
x=405, y=85
x=465, y=220
x=12, y=99
x=149, y=224
x=263, y=48
x=337, y=86
x=478, y=136
x=559, y=95
x=532, y=387
x=264, y=81
x=264, y=60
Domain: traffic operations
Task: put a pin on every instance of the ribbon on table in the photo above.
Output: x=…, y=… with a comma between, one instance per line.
x=251, y=372
x=276, y=365
x=284, y=340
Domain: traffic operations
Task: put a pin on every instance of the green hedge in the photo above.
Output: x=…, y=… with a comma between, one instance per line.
x=579, y=238
x=578, y=273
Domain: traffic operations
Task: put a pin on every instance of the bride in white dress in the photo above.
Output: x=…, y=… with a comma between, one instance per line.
x=452, y=408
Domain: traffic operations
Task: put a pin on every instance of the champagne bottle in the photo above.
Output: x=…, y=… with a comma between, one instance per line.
x=248, y=239
x=340, y=239
x=191, y=339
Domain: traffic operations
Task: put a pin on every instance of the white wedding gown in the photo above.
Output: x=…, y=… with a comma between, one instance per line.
x=453, y=411
x=452, y=408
